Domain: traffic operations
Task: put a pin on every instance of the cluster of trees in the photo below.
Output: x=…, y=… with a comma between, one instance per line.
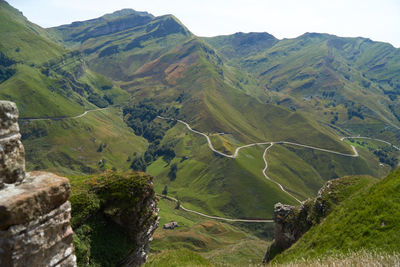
x=153, y=152
x=354, y=112
x=172, y=171
x=101, y=147
x=385, y=158
x=5, y=67
x=335, y=118
x=99, y=101
x=140, y=118
x=328, y=94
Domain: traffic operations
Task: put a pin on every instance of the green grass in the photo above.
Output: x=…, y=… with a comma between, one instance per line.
x=70, y=146
x=358, y=258
x=313, y=71
x=367, y=220
x=219, y=242
x=29, y=88
x=49, y=80
x=230, y=187
x=178, y=258
x=304, y=171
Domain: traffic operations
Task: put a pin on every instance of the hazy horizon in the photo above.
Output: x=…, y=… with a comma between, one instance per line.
x=375, y=20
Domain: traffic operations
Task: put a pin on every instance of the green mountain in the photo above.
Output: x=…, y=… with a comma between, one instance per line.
x=43, y=78
x=158, y=59
x=49, y=81
x=352, y=83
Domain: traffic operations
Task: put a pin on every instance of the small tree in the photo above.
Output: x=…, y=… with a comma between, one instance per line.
x=100, y=149
x=172, y=171
x=178, y=205
x=165, y=191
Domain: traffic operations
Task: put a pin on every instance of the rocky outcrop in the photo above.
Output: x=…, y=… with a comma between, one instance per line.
x=170, y=225
x=291, y=222
x=34, y=209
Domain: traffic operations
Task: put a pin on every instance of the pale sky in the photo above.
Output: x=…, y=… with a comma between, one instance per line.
x=378, y=20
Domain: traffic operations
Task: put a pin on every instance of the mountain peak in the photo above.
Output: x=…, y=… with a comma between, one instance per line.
x=127, y=12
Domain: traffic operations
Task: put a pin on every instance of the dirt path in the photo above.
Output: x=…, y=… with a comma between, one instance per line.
x=270, y=143
x=62, y=118
x=373, y=139
x=216, y=217
x=268, y=178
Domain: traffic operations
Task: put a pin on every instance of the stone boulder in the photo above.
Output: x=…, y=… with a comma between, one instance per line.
x=171, y=225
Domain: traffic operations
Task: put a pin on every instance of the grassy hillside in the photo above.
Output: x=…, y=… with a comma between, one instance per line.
x=219, y=243
x=350, y=82
x=159, y=60
x=98, y=141
x=366, y=221
x=304, y=171
x=49, y=81
x=56, y=80
x=118, y=44
x=237, y=187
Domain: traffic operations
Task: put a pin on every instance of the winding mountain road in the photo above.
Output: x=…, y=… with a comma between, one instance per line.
x=216, y=217
x=373, y=139
x=62, y=118
x=270, y=143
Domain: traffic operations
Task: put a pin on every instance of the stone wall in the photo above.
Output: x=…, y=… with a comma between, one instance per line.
x=34, y=209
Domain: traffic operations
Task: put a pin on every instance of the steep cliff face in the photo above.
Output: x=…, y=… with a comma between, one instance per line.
x=34, y=212
x=118, y=207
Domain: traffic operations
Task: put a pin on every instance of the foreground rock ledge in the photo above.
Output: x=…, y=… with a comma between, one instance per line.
x=36, y=196
x=35, y=222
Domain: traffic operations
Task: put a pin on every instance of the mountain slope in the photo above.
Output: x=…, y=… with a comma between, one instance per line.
x=49, y=81
x=56, y=80
x=349, y=82
x=162, y=62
